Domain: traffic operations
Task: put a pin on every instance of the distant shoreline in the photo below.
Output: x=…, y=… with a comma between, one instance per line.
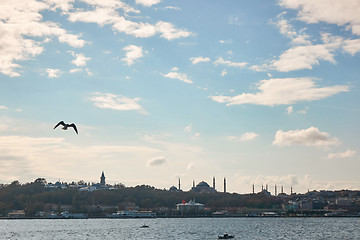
x=37, y=218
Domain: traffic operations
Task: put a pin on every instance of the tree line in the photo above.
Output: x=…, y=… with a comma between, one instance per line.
x=34, y=197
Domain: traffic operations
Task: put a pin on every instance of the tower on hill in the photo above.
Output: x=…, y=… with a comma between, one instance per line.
x=102, y=179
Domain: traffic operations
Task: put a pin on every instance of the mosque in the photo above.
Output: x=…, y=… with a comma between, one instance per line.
x=202, y=187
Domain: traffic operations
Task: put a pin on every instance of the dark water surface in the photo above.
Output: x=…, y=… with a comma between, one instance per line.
x=185, y=228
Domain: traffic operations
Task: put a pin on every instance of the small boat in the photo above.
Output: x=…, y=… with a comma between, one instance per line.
x=225, y=236
x=144, y=226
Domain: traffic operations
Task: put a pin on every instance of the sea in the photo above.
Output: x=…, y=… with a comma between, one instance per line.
x=182, y=228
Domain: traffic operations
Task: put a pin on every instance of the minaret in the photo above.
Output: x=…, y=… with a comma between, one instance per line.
x=262, y=187
x=193, y=183
x=291, y=191
x=214, y=183
x=275, y=190
x=224, y=185
x=253, y=189
x=102, y=179
x=282, y=189
x=266, y=187
x=179, y=184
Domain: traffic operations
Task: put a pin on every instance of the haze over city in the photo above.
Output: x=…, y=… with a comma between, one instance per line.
x=259, y=92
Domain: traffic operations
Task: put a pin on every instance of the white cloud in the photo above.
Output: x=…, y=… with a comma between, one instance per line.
x=147, y=3
x=283, y=91
x=196, y=60
x=180, y=76
x=156, y=161
x=23, y=32
x=23, y=157
x=235, y=21
x=80, y=59
x=349, y=153
x=342, y=13
x=289, y=109
x=304, y=54
x=169, y=32
x=221, y=61
x=303, y=111
x=111, y=4
x=172, y=8
x=223, y=73
x=75, y=70
x=308, y=137
x=287, y=29
x=248, y=136
x=133, y=53
x=116, y=102
x=229, y=41
x=53, y=73
x=89, y=73
x=351, y=46
x=304, y=57
x=190, y=166
x=188, y=128
x=108, y=15
x=3, y=108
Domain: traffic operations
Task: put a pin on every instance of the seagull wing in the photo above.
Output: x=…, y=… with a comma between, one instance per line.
x=74, y=126
x=60, y=123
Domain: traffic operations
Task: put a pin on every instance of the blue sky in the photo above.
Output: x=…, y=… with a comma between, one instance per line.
x=259, y=92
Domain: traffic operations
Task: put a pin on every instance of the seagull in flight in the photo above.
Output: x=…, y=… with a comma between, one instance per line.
x=65, y=126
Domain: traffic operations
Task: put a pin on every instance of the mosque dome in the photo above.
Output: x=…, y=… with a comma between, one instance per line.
x=203, y=184
x=173, y=189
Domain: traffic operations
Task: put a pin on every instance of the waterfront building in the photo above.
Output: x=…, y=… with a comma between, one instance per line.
x=16, y=214
x=191, y=206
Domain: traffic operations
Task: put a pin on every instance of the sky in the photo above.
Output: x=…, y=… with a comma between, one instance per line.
x=257, y=92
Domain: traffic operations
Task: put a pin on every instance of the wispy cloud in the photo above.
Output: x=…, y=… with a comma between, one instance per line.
x=116, y=102
x=347, y=154
x=221, y=61
x=23, y=157
x=147, y=3
x=188, y=128
x=308, y=137
x=179, y=76
x=248, y=136
x=288, y=30
x=3, y=107
x=132, y=53
x=283, y=91
x=173, y=8
x=343, y=13
x=289, y=109
x=75, y=70
x=235, y=21
x=196, y=60
x=108, y=15
x=190, y=166
x=156, y=161
x=304, y=54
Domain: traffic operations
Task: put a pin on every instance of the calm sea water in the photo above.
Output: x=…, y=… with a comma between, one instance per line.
x=188, y=228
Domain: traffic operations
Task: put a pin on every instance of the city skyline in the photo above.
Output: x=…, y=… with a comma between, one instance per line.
x=262, y=92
